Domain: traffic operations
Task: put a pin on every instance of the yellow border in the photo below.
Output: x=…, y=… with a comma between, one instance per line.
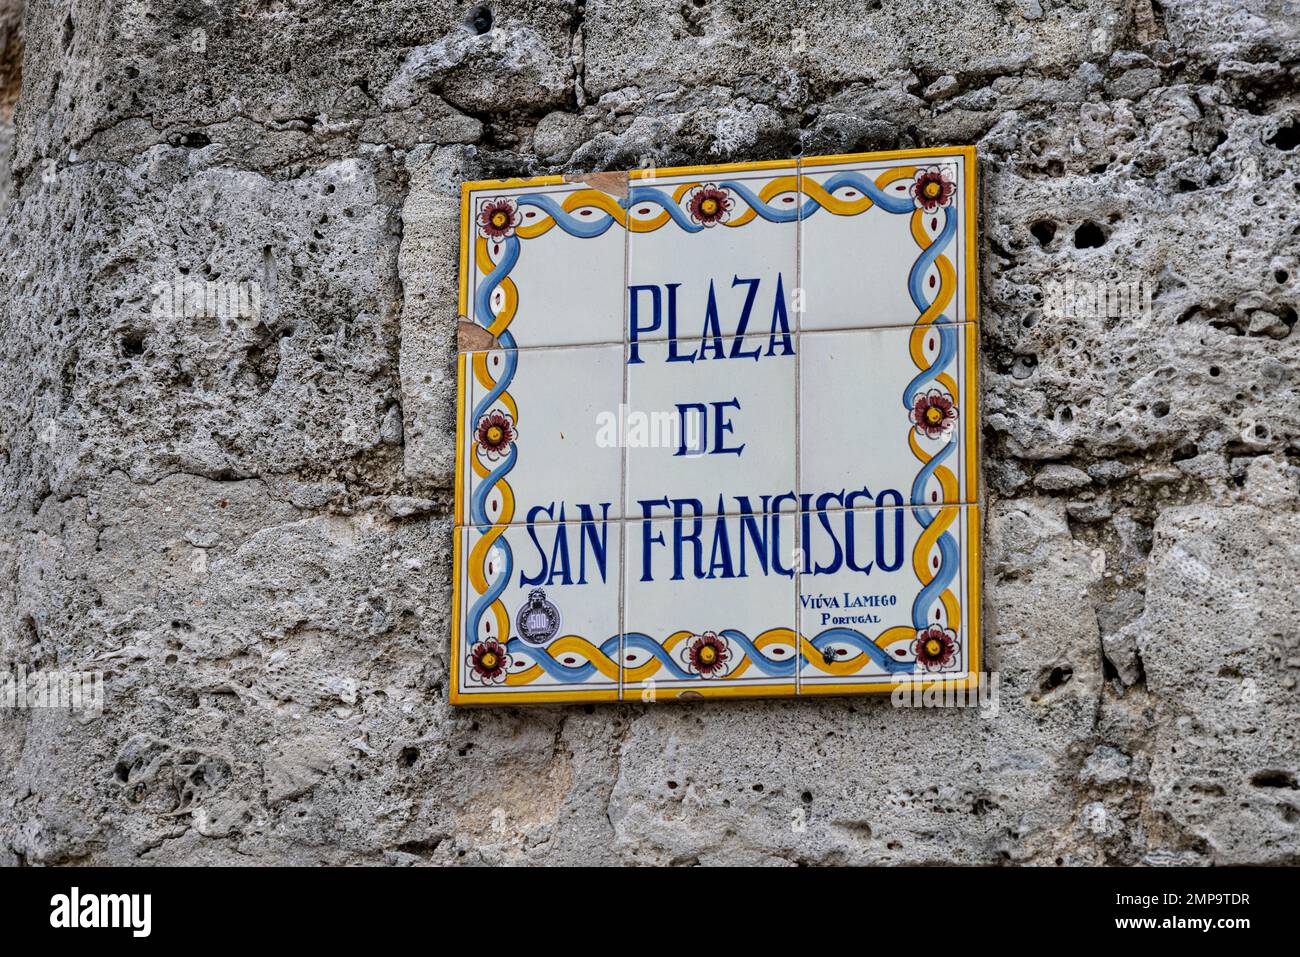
x=516, y=182
x=840, y=159
x=462, y=384
x=974, y=434
x=706, y=690
x=496, y=698
x=458, y=534
x=974, y=519
x=463, y=256
x=972, y=263
x=970, y=409
x=666, y=172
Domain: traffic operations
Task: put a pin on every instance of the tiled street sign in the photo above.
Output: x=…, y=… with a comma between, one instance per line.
x=717, y=432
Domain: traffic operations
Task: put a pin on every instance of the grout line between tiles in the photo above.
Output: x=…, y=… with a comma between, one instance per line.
x=545, y=347
x=798, y=420
x=623, y=463
x=802, y=54
x=656, y=340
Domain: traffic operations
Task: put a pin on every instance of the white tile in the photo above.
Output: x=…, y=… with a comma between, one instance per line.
x=863, y=608
x=709, y=607
x=862, y=394
x=541, y=443
x=563, y=281
x=718, y=421
x=712, y=252
x=537, y=613
x=862, y=263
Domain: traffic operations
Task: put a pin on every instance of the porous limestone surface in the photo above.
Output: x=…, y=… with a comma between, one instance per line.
x=243, y=521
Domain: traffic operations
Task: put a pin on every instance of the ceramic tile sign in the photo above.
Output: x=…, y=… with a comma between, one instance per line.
x=717, y=432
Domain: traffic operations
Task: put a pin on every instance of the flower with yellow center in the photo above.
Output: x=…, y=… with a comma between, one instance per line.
x=709, y=204
x=933, y=188
x=497, y=218
x=487, y=662
x=707, y=655
x=934, y=414
x=495, y=434
x=937, y=648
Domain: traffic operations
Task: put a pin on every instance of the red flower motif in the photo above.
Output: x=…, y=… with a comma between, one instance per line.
x=706, y=655
x=933, y=189
x=497, y=218
x=933, y=414
x=488, y=662
x=495, y=434
x=937, y=648
x=709, y=204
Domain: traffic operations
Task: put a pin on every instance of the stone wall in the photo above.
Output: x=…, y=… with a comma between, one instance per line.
x=245, y=525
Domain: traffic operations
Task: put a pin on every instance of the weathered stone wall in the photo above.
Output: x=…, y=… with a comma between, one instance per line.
x=246, y=525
